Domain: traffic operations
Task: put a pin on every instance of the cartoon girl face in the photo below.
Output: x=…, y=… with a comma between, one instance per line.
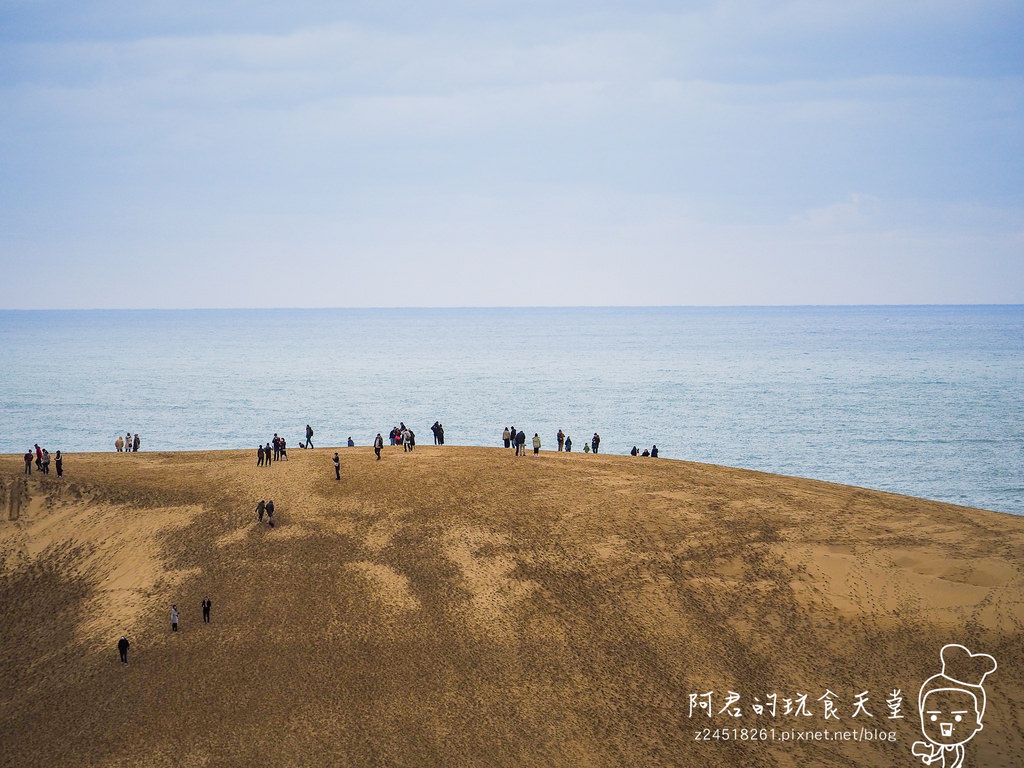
x=949, y=716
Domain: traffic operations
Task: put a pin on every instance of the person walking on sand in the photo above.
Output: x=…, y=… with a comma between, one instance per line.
x=260, y=509
x=507, y=437
x=119, y=443
x=28, y=462
x=309, y=436
x=595, y=442
x=59, y=461
x=337, y=466
x=122, y=648
x=560, y=437
x=378, y=444
x=536, y=443
x=206, y=609
x=270, y=513
x=174, y=618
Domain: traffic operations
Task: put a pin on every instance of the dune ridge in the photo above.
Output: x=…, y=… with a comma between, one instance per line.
x=461, y=606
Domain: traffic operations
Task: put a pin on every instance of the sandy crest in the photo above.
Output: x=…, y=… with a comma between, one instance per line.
x=460, y=606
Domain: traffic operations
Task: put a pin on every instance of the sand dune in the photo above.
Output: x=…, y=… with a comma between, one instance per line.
x=460, y=606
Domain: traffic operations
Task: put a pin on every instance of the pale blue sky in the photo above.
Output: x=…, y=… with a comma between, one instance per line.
x=196, y=154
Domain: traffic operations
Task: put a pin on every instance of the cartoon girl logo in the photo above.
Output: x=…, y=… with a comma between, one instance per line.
x=951, y=704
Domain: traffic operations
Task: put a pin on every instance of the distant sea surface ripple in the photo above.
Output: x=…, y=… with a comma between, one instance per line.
x=926, y=401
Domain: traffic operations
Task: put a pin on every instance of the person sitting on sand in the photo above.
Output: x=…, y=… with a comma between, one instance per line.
x=645, y=453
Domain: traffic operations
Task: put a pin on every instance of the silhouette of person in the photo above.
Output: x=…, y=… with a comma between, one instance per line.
x=122, y=648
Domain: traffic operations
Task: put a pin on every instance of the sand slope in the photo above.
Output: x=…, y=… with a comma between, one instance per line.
x=459, y=606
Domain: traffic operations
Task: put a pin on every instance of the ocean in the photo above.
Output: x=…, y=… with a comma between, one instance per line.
x=925, y=401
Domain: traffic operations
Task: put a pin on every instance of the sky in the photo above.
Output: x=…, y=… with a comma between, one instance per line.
x=179, y=153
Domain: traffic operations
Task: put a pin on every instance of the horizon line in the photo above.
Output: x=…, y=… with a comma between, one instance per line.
x=508, y=306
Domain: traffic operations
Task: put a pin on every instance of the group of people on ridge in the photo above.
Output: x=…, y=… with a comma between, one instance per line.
x=653, y=453
x=265, y=453
x=128, y=444
x=517, y=440
x=42, y=460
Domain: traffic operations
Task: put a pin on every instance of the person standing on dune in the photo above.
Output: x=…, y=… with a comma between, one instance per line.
x=28, y=462
x=309, y=436
x=337, y=466
x=206, y=610
x=378, y=444
x=122, y=648
x=174, y=618
x=119, y=443
x=260, y=509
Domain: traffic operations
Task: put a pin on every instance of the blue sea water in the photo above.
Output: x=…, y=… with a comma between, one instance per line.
x=926, y=401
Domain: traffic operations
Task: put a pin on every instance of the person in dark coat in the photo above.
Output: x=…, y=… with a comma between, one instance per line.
x=568, y=444
x=206, y=610
x=59, y=461
x=440, y=433
x=521, y=443
x=309, y=436
x=270, y=513
x=267, y=454
x=28, y=462
x=337, y=466
x=260, y=509
x=634, y=452
x=595, y=442
x=122, y=648
x=378, y=443
x=654, y=452
x=259, y=455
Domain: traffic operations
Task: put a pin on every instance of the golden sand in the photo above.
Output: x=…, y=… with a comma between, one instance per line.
x=461, y=606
